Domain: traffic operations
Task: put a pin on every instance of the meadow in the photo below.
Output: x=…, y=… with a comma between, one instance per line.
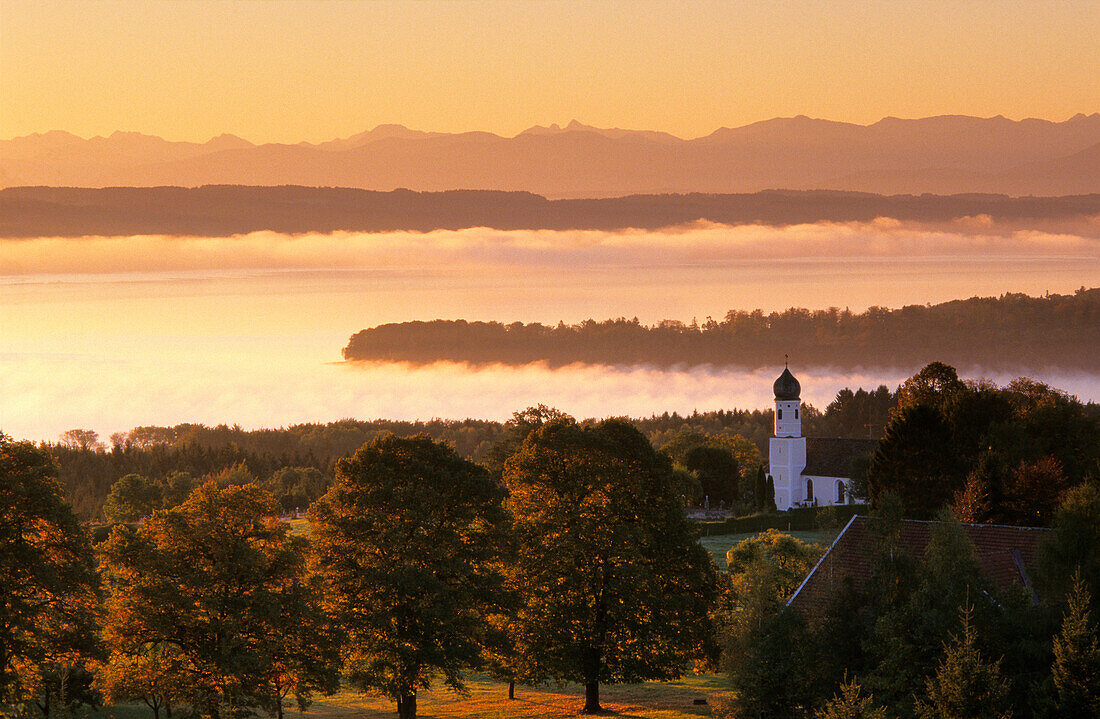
x=488, y=699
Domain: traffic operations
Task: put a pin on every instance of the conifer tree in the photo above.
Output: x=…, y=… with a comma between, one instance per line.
x=1076, y=667
x=965, y=686
x=759, y=488
x=851, y=703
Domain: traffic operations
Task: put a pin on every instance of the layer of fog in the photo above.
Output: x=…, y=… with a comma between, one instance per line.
x=110, y=333
x=44, y=395
x=480, y=247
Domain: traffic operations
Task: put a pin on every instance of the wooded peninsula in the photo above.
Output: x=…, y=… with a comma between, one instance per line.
x=1010, y=332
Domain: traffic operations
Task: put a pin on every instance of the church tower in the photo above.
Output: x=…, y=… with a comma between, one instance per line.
x=787, y=449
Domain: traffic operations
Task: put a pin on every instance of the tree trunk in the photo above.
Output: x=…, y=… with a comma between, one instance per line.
x=168, y=708
x=511, y=690
x=279, y=707
x=406, y=706
x=592, y=699
x=591, y=668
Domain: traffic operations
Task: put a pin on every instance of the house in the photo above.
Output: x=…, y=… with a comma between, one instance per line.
x=808, y=471
x=1006, y=555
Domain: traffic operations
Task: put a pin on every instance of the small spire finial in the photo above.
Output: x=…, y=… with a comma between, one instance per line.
x=785, y=358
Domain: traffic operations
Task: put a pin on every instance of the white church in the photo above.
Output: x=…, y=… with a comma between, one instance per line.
x=807, y=471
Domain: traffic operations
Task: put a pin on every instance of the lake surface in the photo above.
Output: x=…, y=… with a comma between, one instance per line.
x=118, y=344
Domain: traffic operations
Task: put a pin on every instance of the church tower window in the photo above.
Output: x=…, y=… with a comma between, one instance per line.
x=780, y=413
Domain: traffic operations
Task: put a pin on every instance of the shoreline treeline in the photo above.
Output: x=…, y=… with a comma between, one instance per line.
x=1010, y=332
x=87, y=468
x=227, y=210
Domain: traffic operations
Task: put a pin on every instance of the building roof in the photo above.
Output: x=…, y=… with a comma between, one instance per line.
x=1004, y=554
x=786, y=387
x=832, y=456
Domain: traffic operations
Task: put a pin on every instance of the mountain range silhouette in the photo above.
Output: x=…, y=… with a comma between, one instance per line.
x=939, y=155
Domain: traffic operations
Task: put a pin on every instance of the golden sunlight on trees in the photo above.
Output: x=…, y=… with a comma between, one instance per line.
x=407, y=542
x=218, y=588
x=81, y=439
x=49, y=591
x=759, y=639
x=154, y=677
x=615, y=587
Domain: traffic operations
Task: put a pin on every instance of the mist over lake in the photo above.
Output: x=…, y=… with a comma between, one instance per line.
x=111, y=333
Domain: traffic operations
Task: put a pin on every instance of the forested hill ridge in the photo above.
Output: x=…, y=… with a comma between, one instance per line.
x=227, y=210
x=1010, y=332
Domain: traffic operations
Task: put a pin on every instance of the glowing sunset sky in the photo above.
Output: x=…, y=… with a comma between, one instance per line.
x=290, y=71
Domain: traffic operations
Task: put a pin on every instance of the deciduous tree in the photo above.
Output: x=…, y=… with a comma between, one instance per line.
x=49, y=587
x=131, y=498
x=217, y=582
x=407, y=542
x=615, y=587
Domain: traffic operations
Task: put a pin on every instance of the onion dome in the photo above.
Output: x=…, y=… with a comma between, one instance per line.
x=786, y=387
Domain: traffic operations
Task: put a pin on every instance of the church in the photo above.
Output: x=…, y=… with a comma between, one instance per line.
x=808, y=471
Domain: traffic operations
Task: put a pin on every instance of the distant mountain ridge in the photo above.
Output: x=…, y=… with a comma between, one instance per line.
x=939, y=155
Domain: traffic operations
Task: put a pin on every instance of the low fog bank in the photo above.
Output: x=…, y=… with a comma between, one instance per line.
x=481, y=248
x=46, y=396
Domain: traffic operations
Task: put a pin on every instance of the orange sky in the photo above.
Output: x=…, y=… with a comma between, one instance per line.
x=290, y=71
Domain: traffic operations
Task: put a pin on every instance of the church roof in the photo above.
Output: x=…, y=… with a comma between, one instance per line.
x=832, y=456
x=786, y=387
x=1004, y=555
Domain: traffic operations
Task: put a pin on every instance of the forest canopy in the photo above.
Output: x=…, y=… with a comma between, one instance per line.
x=1010, y=332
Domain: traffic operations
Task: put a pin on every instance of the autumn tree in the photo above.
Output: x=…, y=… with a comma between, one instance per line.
x=217, y=583
x=933, y=386
x=154, y=677
x=49, y=592
x=407, y=542
x=615, y=587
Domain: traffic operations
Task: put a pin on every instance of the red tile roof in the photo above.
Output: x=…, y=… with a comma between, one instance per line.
x=1005, y=554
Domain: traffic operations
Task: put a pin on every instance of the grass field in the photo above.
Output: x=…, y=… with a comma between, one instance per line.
x=720, y=544
x=488, y=699
x=717, y=545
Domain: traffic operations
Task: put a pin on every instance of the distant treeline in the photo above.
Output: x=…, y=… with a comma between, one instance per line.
x=87, y=471
x=226, y=210
x=1010, y=332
